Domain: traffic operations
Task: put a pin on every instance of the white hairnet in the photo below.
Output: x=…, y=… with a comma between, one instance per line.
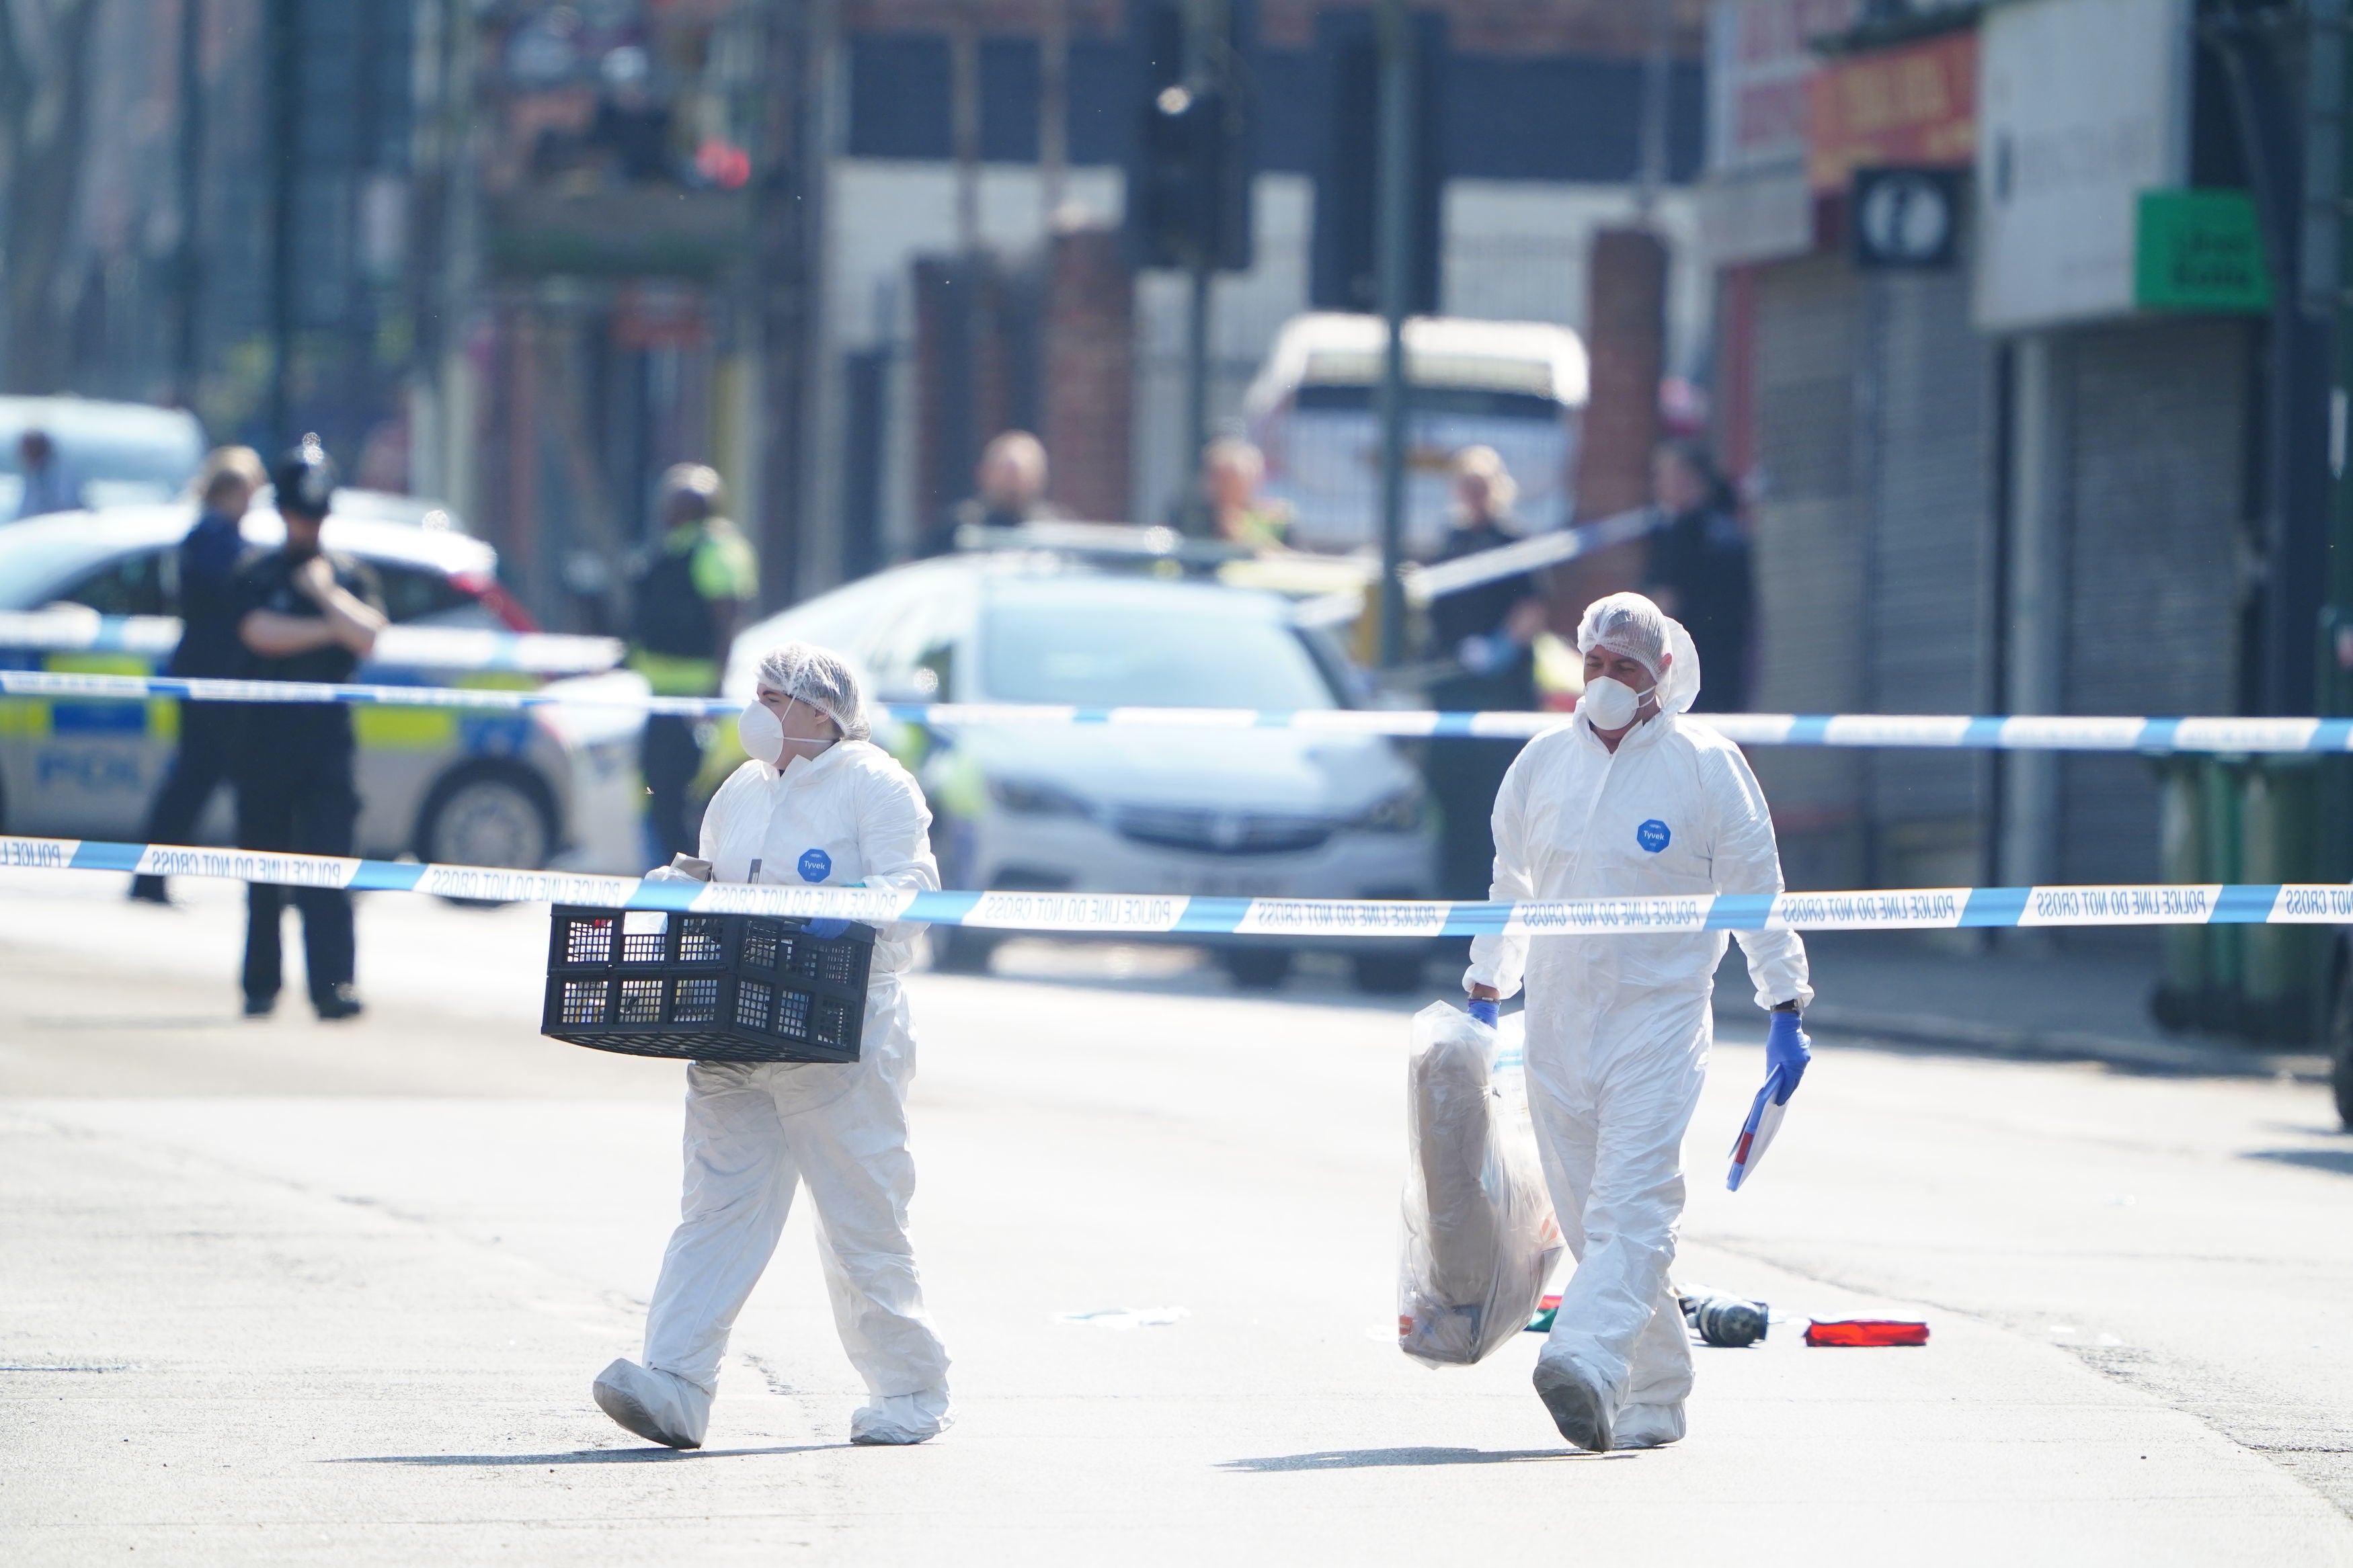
x=823, y=679
x=1633, y=626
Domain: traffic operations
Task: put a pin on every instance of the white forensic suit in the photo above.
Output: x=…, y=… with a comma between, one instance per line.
x=755, y=1131
x=1618, y=1027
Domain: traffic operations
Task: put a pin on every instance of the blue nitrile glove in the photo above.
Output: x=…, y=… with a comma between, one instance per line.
x=1786, y=1052
x=1481, y=655
x=826, y=930
x=1484, y=1011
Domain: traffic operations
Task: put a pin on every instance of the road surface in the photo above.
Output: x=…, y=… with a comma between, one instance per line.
x=284, y=1292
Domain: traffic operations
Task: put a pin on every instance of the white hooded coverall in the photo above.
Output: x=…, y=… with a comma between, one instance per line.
x=754, y=1130
x=1618, y=1027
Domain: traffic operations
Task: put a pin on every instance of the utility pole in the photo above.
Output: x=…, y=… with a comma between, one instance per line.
x=285, y=57
x=2327, y=297
x=2328, y=294
x=789, y=173
x=964, y=125
x=1053, y=113
x=187, y=283
x=1394, y=234
x=1652, y=176
x=1205, y=71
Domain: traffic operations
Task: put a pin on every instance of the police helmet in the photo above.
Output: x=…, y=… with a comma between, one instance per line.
x=305, y=478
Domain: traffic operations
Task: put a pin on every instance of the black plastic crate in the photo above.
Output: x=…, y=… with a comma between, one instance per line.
x=705, y=987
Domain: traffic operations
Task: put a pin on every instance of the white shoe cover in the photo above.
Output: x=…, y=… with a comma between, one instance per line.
x=660, y=1406
x=1647, y=1427
x=1579, y=1406
x=902, y=1418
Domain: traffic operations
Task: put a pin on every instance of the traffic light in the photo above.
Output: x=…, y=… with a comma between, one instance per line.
x=1188, y=177
x=1343, y=271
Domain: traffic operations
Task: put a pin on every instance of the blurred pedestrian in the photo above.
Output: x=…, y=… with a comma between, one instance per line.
x=1629, y=800
x=1009, y=489
x=1488, y=632
x=47, y=485
x=1231, y=472
x=1700, y=571
x=686, y=603
x=209, y=646
x=307, y=616
x=632, y=128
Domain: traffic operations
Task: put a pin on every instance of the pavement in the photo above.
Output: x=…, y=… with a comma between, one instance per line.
x=292, y=1292
x=2052, y=1006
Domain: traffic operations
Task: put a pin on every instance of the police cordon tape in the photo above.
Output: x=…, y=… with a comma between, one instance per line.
x=1909, y=909
x=76, y=628
x=2062, y=732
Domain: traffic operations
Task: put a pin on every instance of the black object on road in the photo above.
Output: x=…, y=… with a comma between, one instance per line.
x=705, y=987
x=1726, y=1320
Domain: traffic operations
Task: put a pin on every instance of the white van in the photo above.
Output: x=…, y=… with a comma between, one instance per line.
x=116, y=454
x=1518, y=386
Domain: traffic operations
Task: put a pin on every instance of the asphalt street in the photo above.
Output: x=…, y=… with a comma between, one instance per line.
x=287, y=1292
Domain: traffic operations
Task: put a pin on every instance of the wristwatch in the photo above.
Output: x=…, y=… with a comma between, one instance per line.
x=1789, y=1007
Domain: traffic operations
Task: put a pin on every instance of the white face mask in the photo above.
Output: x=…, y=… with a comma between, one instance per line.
x=1609, y=702
x=761, y=732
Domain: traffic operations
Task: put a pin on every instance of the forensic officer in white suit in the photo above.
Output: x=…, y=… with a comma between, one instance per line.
x=1630, y=800
x=818, y=803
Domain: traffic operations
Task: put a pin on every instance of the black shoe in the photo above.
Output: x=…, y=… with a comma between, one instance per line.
x=337, y=1002
x=150, y=891
x=261, y=1007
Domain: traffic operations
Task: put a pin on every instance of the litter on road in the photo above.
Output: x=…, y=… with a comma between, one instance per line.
x=1862, y=1331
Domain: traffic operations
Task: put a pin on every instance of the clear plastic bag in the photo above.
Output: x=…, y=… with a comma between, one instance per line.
x=1480, y=1235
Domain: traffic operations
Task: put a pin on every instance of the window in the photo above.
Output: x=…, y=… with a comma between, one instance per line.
x=1131, y=655
x=126, y=585
x=1474, y=402
x=412, y=593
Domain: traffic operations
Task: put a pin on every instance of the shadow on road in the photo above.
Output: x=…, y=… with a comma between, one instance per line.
x=112, y=1021
x=2340, y=1160
x=1376, y=1458
x=580, y=1457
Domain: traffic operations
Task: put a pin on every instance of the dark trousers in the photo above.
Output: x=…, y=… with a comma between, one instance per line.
x=209, y=733
x=300, y=799
x=1464, y=775
x=670, y=757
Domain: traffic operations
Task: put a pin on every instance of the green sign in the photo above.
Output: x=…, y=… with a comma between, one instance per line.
x=2200, y=250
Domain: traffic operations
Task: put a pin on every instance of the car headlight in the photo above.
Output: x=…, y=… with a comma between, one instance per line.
x=1027, y=797
x=1399, y=813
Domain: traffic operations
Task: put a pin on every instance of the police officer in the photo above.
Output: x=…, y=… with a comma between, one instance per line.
x=1490, y=631
x=308, y=615
x=686, y=603
x=210, y=733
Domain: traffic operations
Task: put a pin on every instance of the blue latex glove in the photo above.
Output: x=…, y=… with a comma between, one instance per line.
x=1786, y=1052
x=826, y=930
x=1484, y=1011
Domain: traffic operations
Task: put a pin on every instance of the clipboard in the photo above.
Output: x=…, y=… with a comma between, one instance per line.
x=1756, y=1132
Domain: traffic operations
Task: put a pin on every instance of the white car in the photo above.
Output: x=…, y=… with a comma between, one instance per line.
x=97, y=592
x=1264, y=811
x=1518, y=386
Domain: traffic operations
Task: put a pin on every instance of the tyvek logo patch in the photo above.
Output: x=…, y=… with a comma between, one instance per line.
x=1654, y=836
x=817, y=865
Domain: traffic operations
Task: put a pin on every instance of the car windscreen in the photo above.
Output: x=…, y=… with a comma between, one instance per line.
x=1476, y=402
x=33, y=569
x=1130, y=655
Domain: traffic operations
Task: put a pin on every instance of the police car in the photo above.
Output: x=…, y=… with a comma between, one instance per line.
x=96, y=593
